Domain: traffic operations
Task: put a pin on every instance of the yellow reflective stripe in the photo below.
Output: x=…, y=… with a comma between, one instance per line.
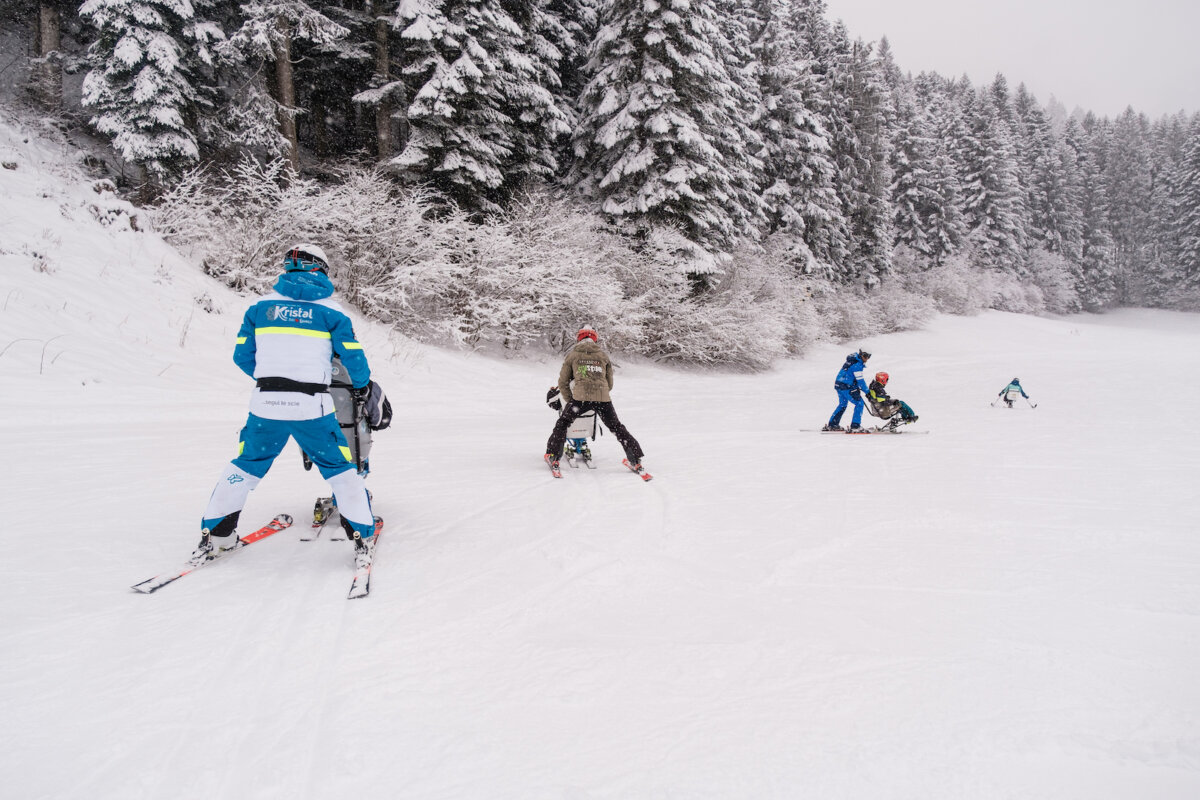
x=241, y=340
x=294, y=332
x=346, y=453
x=352, y=345
x=241, y=448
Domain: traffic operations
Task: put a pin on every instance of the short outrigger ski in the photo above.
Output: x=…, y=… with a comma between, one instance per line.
x=323, y=511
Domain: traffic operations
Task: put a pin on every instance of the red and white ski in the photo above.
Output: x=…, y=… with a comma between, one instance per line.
x=555, y=470
x=639, y=469
x=281, y=522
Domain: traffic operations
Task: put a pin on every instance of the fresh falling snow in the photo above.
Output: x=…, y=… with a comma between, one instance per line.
x=1008, y=607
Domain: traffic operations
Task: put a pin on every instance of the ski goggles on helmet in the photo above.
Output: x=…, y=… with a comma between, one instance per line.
x=298, y=260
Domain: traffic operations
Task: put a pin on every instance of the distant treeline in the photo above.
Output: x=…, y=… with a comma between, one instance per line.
x=743, y=127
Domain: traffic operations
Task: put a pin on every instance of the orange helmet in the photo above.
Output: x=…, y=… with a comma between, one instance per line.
x=882, y=377
x=586, y=333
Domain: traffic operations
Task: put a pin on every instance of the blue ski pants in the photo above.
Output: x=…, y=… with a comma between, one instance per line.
x=846, y=396
x=262, y=440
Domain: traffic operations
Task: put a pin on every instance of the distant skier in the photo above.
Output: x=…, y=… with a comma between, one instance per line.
x=884, y=405
x=1010, y=393
x=286, y=343
x=584, y=383
x=850, y=387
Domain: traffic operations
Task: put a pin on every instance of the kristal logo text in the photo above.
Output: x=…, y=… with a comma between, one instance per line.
x=289, y=314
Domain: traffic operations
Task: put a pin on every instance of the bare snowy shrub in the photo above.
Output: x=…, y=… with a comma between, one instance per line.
x=1054, y=276
x=238, y=222
x=843, y=312
x=743, y=324
x=560, y=272
x=952, y=286
x=891, y=308
x=1004, y=291
x=1182, y=300
x=531, y=275
x=377, y=238
x=534, y=275
x=769, y=280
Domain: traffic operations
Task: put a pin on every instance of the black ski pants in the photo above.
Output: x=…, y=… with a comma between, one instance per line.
x=607, y=414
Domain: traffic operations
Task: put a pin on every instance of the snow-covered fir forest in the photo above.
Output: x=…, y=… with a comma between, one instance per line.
x=711, y=181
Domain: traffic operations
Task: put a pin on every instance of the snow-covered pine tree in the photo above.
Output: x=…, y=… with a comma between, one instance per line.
x=858, y=105
x=1031, y=136
x=1159, y=277
x=658, y=140
x=146, y=86
x=482, y=120
x=1128, y=179
x=798, y=171
x=268, y=32
x=1099, y=288
x=993, y=197
x=945, y=228
x=541, y=124
x=1053, y=192
x=916, y=195
x=1187, y=188
x=739, y=143
x=420, y=25
x=574, y=24
x=386, y=92
x=571, y=26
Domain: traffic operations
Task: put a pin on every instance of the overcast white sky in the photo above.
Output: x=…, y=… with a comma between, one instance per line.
x=1100, y=55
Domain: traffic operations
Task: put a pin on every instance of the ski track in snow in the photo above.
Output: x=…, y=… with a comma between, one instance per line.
x=1004, y=608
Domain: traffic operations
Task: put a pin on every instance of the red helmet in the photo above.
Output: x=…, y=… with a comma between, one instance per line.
x=586, y=333
x=882, y=378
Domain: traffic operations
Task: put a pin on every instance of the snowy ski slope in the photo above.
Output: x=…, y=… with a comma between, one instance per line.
x=1005, y=608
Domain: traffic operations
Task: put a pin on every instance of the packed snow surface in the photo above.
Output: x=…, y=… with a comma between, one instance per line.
x=1006, y=607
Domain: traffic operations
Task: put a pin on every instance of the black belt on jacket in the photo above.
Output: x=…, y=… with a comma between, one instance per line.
x=289, y=385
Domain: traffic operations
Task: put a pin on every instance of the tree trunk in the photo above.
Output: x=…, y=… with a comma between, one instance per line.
x=285, y=88
x=45, y=80
x=383, y=73
x=318, y=113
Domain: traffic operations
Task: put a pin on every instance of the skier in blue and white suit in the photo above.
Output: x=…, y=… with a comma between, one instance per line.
x=850, y=388
x=286, y=343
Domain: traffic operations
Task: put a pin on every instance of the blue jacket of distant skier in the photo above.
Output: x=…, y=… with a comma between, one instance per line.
x=295, y=331
x=1015, y=386
x=851, y=374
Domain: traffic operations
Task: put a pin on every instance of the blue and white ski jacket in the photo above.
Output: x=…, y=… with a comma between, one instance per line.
x=851, y=374
x=293, y=333
x=1012, y=389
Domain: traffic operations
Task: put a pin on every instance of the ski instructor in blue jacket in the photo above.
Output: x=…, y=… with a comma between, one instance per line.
x=850, y=389
x=286, y=343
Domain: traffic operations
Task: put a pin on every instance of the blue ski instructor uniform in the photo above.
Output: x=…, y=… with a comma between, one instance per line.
x=286, y=343
x=850, y=388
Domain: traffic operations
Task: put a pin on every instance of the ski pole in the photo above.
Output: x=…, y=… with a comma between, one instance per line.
x=1031, y=403
x=359, y=409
